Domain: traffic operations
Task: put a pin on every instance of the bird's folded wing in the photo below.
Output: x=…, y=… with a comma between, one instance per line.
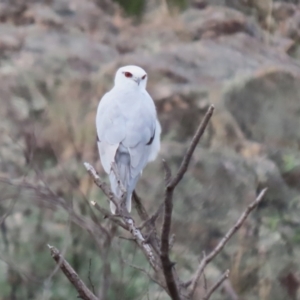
x=155, y=146
x=107, y=154
x=111, y=130
x=139, y=136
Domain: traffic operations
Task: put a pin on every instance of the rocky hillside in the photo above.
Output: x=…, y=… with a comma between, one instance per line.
x=58, y=57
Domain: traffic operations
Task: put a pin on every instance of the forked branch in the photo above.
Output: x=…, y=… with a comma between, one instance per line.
x=207, y=259
x=216, y=285
x=169, y=271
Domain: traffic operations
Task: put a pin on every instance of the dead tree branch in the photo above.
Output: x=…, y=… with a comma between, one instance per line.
x=207, y=259
x=73, y=277
x=171, y=184
x=139, y=206
x=216, y=285
x=164, y=248
x=102, y=185
x=148, y=222
x=108, y=215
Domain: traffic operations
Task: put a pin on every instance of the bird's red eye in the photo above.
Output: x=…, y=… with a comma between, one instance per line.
x=128, y=74
x=144, y=76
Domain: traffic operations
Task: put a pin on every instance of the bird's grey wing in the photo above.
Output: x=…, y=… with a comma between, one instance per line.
x=155, y=147
x=111, y=129
x=139, y=137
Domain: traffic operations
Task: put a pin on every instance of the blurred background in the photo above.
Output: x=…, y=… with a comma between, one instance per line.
x=57, y=59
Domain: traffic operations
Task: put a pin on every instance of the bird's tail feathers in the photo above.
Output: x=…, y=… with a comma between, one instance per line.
x=117, y=191
x=123, y=167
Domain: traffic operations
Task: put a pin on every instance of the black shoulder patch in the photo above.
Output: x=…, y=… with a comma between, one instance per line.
x=151, y=140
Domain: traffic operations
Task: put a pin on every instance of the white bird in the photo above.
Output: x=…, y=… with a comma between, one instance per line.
x=128, y=130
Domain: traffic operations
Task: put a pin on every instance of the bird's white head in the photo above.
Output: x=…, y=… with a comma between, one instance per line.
x=131, y=76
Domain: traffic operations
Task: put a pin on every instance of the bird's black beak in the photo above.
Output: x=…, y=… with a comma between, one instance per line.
x=137, y=80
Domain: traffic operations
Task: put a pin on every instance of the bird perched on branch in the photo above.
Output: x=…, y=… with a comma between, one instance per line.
x=128, y=130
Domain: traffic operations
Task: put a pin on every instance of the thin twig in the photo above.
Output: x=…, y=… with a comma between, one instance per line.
x=126, y=238
x=108, y=215
x=153, y=218
x=168, y=174
x=207, y=259
x=216, y=285
x=89, y=276
x=143, y=271
x=141, y=241
x=139, y=206
x=73, y=277
x=102, y=185
x=187, y=157
x=153, y=238
x=172, y=241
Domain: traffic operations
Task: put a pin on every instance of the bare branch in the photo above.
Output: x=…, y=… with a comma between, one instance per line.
x=207, y=259
x=187, y=157
x=164, y=248
x=136, y=233
x=139, y=206
x=143, y=271
x=126, y=238
x=89, y=276
x=216, y=285
x=102, y=185
x=108, y=215
x=153, y=218
x=153, y=238
x=148, y=222
x=73, y=277
x=168, y=174
x=172, y=241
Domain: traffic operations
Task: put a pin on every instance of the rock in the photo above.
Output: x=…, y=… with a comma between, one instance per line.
x=42, y=14
x=20, y=109
x=85, y=16
x=288, y=162
x=216, y=21
x=11, y=10
x=264, y=116
x=290, y=28
x=49, y=52
x=10, y=39
x=282, y=11
x=199, y=4
x=238, y=5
